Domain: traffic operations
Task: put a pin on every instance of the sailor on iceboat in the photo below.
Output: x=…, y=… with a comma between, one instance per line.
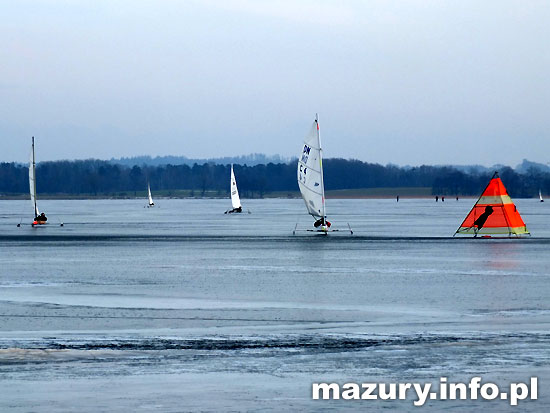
x=321, y=223
x=40, y=219
x=231, y=211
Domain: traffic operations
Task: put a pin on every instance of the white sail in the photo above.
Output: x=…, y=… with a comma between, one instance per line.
x=310, y=173
x=235, y=200
x=149, y=193
x=540, y=196
x=32, y=180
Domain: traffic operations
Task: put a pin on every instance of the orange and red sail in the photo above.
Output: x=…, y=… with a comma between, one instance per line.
x=494, y=213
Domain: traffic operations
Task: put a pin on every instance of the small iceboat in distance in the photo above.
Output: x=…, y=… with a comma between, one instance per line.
x=151, y=203
x=540, y=196
x=39, y=218
x=235, y=200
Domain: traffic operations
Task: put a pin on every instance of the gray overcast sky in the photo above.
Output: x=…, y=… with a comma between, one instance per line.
x=406, y=82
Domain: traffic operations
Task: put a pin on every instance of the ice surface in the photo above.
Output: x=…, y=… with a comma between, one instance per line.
x=183, y=308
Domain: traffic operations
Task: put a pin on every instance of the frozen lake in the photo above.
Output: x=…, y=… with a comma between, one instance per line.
x=182, y=308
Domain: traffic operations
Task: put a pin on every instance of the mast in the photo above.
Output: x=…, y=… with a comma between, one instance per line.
x=34, y=176
x=321, y=169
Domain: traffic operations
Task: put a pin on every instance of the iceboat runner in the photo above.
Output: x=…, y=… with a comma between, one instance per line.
x=310, y=179
x=494, y=213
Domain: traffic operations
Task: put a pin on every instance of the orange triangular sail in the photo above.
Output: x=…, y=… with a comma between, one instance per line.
x=494, y=213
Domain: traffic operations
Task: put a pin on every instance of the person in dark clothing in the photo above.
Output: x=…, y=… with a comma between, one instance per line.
x=239, y=209
x=480, y=221
x=42, y=217
x=321, y=222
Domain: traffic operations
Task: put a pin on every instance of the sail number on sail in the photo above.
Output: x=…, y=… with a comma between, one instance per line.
x=303, y=159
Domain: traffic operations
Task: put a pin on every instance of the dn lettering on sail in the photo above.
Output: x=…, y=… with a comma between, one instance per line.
x=305, y=154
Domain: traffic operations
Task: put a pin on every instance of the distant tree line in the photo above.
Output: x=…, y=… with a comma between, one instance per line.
x=97, y=177
x=251, y=159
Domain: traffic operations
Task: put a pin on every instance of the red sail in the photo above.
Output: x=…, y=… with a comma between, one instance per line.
x=494, y=213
